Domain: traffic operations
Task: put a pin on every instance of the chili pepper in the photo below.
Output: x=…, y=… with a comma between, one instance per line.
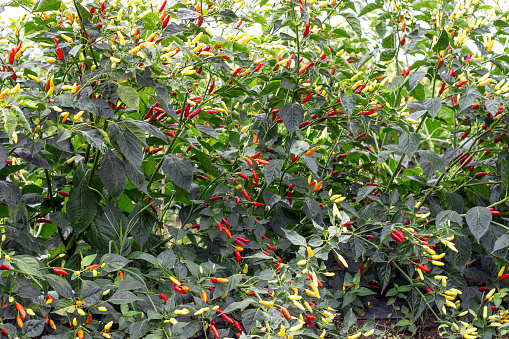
x=179, y=290
x=461, y=83
x=505, y=276
x=59, y=270
x=442, y=88
x=4, y=331
x=318, y=186
x=19, y=321
x=306, y=99
x=306, y=29
x=163, y=296
x=121, y=275
x=249, y=161
x=257, y=204
x=495, y=212
x=256, y=155
x=422, y=267
x=285, y=312
x=60, y=54
x=481, y=174
x=243, y=176
x=214, y=330
x=11, y=56
x=258, y=67
x=63, y=193
x=403, y=40
x=213, y=280
x=266, y=253
x=237, y=71
x=219, y=226
x=227, y=318
x=262, y=162
x=454, y=102
x=21, y=311
x=244, y=192
x=228, y=233
x=467, y=60
x=237, y=325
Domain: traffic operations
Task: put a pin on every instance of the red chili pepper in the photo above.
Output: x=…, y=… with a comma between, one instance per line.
x=213, y=280
x=483, y=288
x=310, y=317
x=422, y=267
x=11, y=56
x=285, y=312
x=179, y=290
x=60, y=54
x=244, y=192
x=214, y=330
x=266, y=253
x=403, y=40
x=306, y=99
x=215, y=198
x=505, y=276
x=227, y=318
x=4, y=268
x=467, y=60
x=481, y=174
x=454, y=102
x=442, y=88
x=258, y=67
x=461, y=83
x=195, y=113
x=304, y=124
x=495, y=212
x=256, y=155
x=255, y=177
x=60, y=271
x=237, y=325
x=63, y=193
x=237, y=71
x=243, y=239
x=360, y=89
x=257, y=204
x=243, y=176
x=228, y=233
x=166, y=21
x=163, y=296
x=238, y=257
x=362, y=135
x=44, y=221
x=306, y=29
x=220, y=226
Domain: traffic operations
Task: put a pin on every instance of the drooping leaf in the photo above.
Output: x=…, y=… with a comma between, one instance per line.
x=478, y=220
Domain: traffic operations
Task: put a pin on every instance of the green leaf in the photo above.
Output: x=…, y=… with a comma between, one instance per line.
x=409, y=143
x=295, y=238
x=47, y=5
x=369, y=8
x=129, y=96
x=179, y=171
x=364, y=191
x=292, y=115
x=113, y=174
x=504, y=172
x=123, y=297
x=445, y=219
x=141, y=224
x=348, y=102
x=82, y=207
x=60, y=285
x=415, y=78
x=354, y=23
x=502, y=242
x=388, y=54
x=273, y=170
x=478, y=220
x=432, y=105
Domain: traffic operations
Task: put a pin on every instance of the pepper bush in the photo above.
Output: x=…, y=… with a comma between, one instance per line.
x=318, y=154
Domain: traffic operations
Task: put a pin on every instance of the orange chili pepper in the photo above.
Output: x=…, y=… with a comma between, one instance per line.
x=89, y=319
x=204, y=296
x=121, y=275
x=262, y=162
x=318, y=186
x=19, y=321
x=21, y=311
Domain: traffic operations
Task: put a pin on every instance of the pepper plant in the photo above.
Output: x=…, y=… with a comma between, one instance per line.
x=352, y=151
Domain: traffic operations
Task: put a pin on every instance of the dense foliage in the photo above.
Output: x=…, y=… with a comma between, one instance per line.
x=350, y=150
